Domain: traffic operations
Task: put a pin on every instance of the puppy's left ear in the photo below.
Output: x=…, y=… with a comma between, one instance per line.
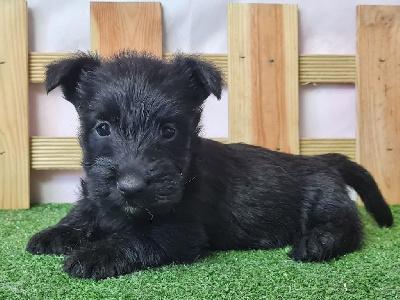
x=204, y=77
x=68, y=74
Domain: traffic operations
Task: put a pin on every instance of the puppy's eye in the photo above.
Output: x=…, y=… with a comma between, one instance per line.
x=103, y=129
x=168, y=131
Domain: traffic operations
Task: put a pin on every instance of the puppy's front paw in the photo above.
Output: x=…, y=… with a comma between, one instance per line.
x=313, y=248
x=53, y=240
x=98, y=263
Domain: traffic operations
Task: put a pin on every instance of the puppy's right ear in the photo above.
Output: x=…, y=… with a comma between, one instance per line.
x=68, y=73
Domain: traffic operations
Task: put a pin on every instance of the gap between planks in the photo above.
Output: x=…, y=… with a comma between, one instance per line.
x=312, y=68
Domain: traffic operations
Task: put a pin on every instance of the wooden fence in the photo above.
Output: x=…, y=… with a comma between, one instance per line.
x=262, y=69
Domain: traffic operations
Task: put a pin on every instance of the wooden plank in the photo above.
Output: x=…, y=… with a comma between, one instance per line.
x=118, y=26
x=14, y=134
x=321, y=146
x=263, y=75
x=38, y=63
x=239, y=70
x=52, y=153
x=60, y=153
x=290, y=108
x=312, y=68
x=327, y=69
x=378, y=94
x=55, y=153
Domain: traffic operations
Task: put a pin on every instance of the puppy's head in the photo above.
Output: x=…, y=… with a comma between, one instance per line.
x=139, y=120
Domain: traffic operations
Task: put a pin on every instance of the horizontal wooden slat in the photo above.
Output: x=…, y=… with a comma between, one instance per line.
x=53, y=153
x=327, y=68
x=312, y=68
x=49, y=153
x=322, y=146
x=37, y=63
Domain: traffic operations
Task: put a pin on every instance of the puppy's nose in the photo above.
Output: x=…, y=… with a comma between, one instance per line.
x=131, y=184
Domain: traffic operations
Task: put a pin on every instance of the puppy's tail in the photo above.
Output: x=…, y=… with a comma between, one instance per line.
x=362, y=182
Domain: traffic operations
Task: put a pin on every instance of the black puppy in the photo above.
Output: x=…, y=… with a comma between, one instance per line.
x=156, y=193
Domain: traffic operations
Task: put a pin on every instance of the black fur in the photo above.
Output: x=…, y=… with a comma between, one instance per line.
x=156, y=193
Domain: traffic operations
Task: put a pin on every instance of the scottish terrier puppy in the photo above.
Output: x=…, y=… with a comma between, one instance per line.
x=156, y=193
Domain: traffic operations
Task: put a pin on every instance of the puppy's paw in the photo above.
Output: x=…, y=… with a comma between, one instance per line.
x=53, y=240
x=313, y=248
x=97, y=263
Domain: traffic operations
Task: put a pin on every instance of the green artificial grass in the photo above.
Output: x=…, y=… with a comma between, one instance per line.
x=372, y=273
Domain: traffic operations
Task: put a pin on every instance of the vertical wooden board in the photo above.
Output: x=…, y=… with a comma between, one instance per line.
x=378, y=95
x=14, y=135
x=239, y=74
x=118, y=26
x=263, y=75
x=291, y=77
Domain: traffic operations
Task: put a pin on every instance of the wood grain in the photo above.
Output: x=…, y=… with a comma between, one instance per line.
x=327, y=69
x=378, y=95
x=38, y=63
x=263, y=75
x=55, y=153
x=14, y=134
x=312, y=68
x=239, y=70
x=123, y=25
x=48, y=153
x=52, y=153
x=290, y=109
x=321, y=146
